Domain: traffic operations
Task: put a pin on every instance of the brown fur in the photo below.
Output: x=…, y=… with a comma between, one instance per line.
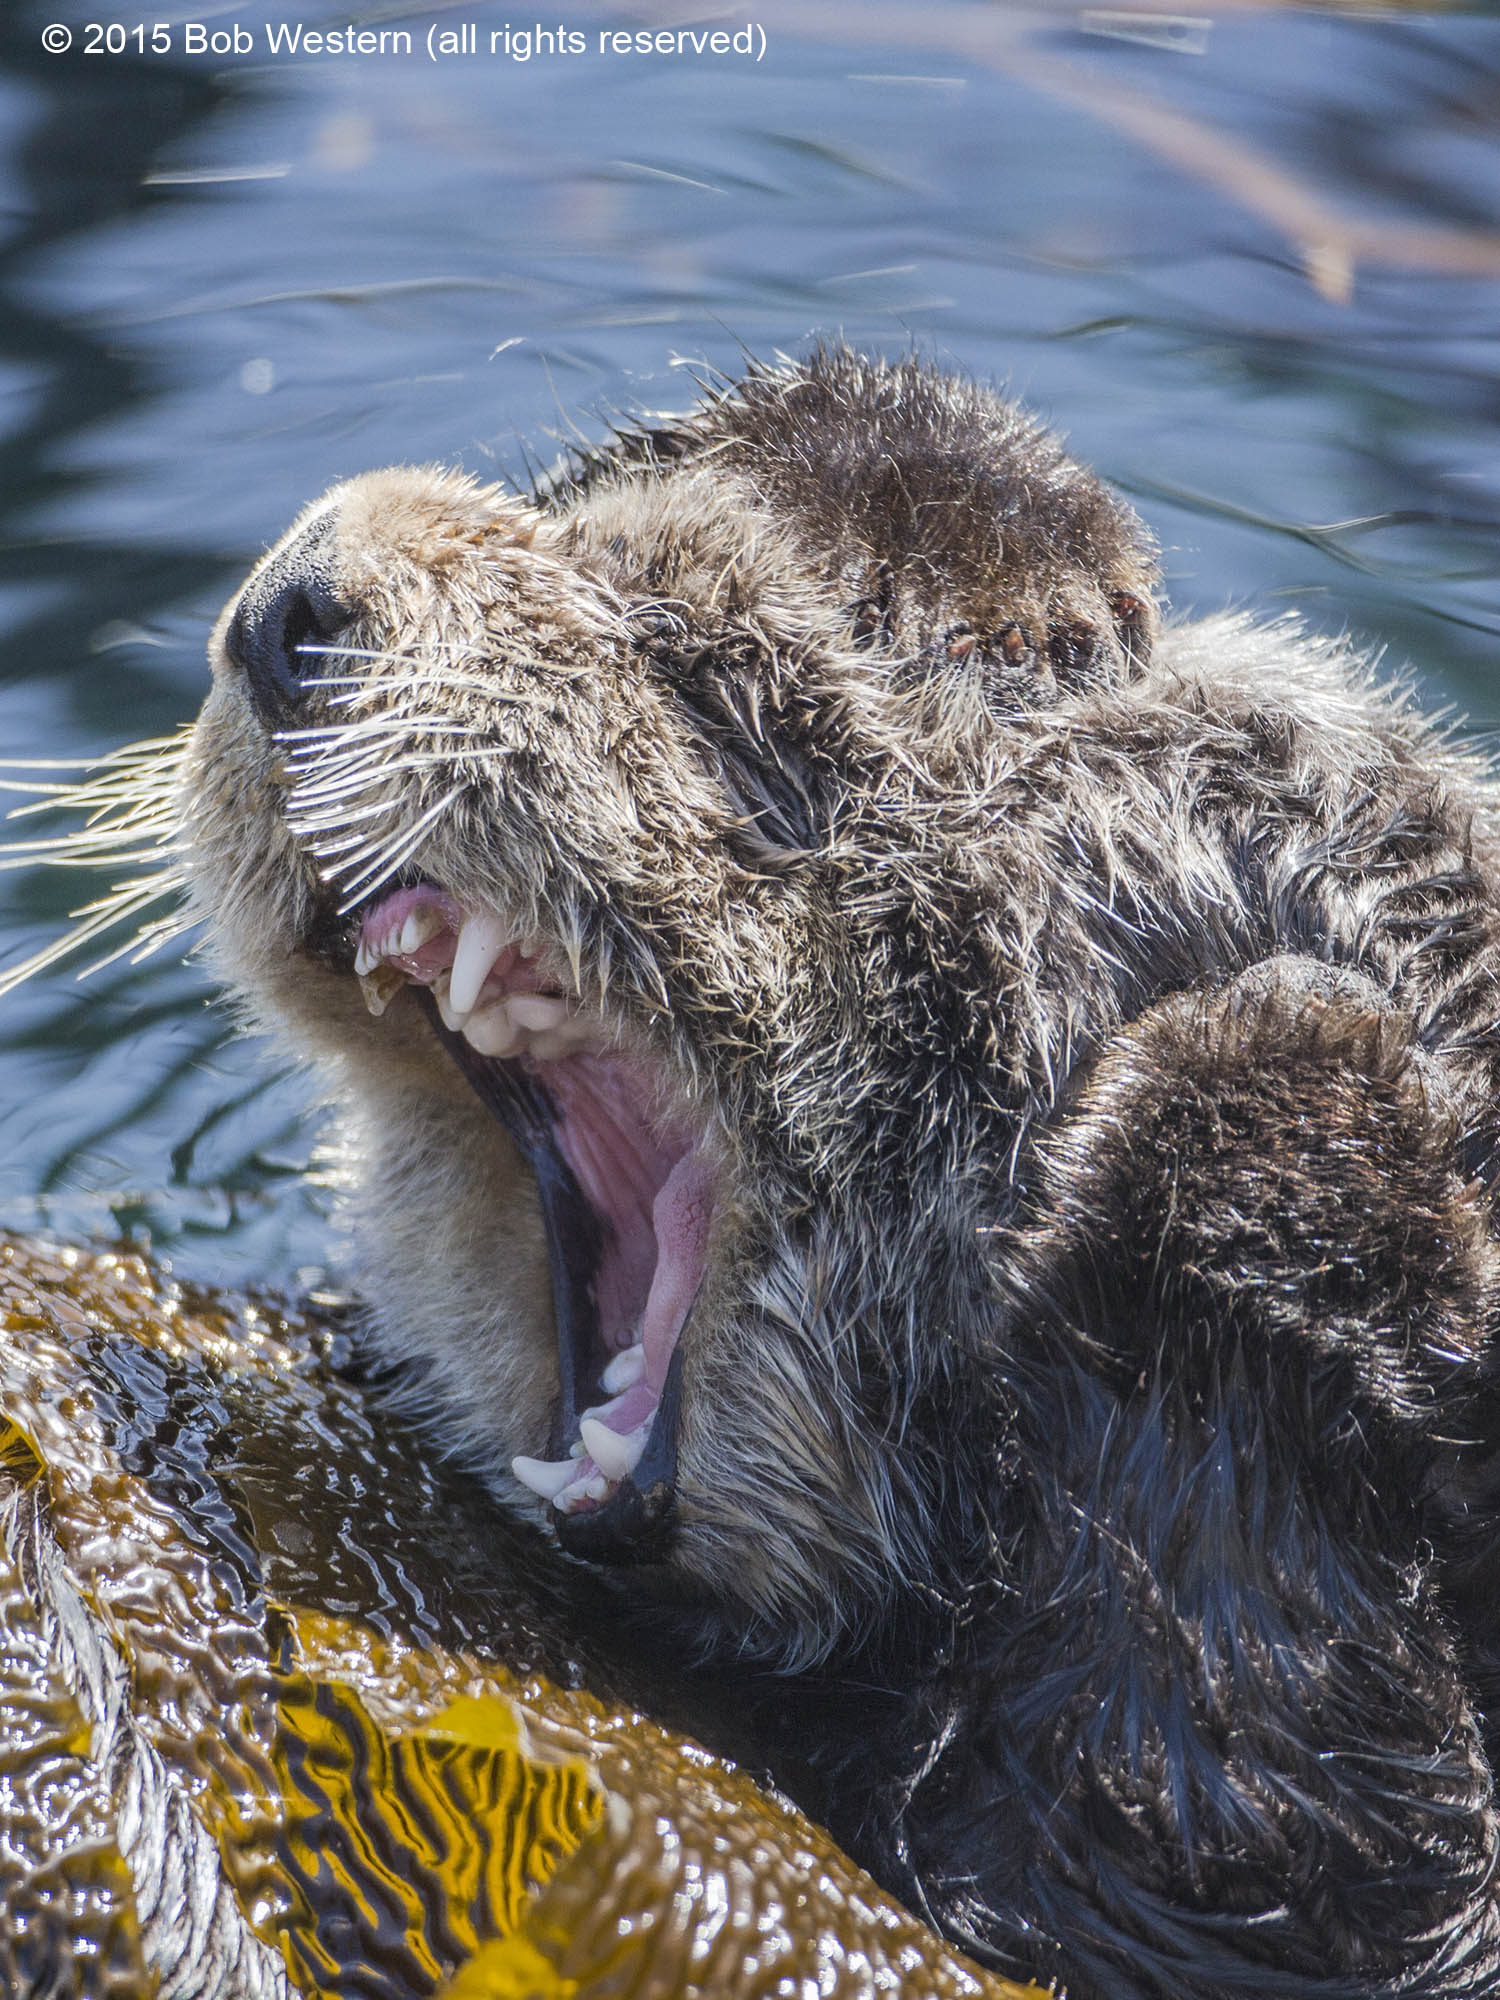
x=1093, y=1025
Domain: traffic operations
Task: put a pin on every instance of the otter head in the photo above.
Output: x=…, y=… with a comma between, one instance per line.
x=638, y=898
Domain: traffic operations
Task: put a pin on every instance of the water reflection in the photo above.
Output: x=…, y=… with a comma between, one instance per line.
x=254, y=278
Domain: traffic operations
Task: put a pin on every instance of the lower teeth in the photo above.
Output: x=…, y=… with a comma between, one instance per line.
x=610, y=1455
x=616, y=1453
x=545, y=1476
x=627, y=1367
x=380, y=987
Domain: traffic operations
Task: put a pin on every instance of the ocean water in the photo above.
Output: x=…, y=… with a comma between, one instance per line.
x=1249, y=261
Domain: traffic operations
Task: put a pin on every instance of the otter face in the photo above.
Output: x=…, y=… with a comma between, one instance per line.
x=632, y=883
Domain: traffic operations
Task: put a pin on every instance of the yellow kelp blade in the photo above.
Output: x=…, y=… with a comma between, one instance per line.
x=316, y=1719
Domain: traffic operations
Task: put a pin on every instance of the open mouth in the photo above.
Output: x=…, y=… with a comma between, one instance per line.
x=626, y=1195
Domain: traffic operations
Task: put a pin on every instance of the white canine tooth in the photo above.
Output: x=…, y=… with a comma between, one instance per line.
x=544, y=1475
x=452, y=1020
x=491, y=1031
x=614, y=1453
x=625, y=1368
x=480, y=943
x=364, y=959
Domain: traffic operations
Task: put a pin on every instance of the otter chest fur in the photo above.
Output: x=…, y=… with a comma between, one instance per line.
x=939, y=1130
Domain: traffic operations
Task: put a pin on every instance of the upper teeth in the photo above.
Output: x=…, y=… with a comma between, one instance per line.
x=418, y=928
x=545, y=1025
x=420, y=925
x=480, y=943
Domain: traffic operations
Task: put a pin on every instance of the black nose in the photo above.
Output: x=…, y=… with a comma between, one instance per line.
x=282, y=625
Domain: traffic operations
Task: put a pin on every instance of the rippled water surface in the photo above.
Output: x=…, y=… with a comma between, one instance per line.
x=1251, y=263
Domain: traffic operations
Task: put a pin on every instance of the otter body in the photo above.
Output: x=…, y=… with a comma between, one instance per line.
x=939, y=1131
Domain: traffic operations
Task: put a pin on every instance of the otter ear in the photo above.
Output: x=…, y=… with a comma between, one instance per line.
x=767, y=777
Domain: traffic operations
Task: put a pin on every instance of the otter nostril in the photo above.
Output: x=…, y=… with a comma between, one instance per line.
x=282, y=626
x=277, y=642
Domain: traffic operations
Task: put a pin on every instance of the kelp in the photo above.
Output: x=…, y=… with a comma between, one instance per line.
x=289, y=1708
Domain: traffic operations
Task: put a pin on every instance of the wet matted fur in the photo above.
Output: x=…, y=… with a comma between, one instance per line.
x=1000, y=1089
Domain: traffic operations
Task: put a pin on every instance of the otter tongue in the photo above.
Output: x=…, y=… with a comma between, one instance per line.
x=679, y=1221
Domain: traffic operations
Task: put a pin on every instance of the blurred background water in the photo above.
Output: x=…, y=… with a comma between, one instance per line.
x=229, y=280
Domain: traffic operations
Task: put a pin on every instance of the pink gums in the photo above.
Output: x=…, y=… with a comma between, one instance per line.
x=512, y=972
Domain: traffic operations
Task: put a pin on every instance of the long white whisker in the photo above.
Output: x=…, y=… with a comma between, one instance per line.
x=377, y=726
x=336, y=815
x=147, y=940
x=101, y=799
x=363, y=884
x=37, y=786
x=140, y=754
x=129, y=803
x=95, y=920
x=314, y=785
x=43, y=853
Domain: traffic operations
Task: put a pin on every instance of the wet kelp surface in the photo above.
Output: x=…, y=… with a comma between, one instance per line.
x=289, y=1710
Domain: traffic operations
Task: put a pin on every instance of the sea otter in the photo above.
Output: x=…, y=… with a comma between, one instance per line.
x=937, y=1127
